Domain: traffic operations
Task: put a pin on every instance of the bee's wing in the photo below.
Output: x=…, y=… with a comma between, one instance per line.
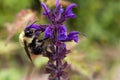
x=27, y=51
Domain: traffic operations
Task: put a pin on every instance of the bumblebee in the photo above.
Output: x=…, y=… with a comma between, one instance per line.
x=31, y=43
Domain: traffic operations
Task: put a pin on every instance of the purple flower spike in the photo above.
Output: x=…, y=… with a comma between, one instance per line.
x=73, y=36
x=48, y=32
x=69, y=13
x=52, y=43
x=46, y=9
x=62, y=33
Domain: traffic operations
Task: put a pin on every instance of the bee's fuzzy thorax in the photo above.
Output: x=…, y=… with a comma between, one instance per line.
x=23, y=38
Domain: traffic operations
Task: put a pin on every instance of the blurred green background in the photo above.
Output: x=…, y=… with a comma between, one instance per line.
x=96, y=57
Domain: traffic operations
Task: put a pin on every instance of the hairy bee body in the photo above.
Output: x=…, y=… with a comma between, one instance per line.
x=23, y=38
x=30, y=43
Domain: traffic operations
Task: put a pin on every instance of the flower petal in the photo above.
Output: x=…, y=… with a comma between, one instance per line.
x=73, y=33
x=69, y=8
x=62, y=33
x=69, y=13
x=57, y=3
x=73, y=36
x=48, y=32
x=59, y=8
x=47, y=10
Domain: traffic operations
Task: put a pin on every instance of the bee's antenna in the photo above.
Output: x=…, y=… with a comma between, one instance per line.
x=31, y=23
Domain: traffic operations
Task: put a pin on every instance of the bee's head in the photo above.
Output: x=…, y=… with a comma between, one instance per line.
x=29, y=32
